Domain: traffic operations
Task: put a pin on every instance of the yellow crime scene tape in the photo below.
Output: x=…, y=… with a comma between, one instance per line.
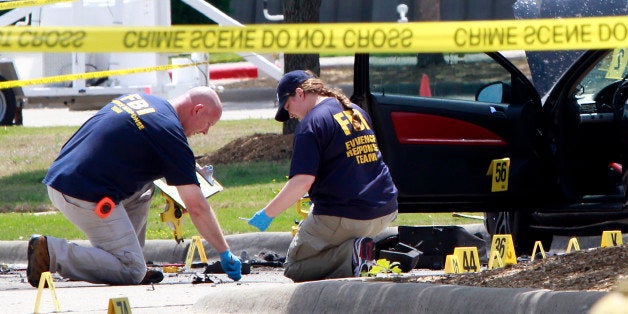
x=458, y=36
x=92, y=75
x=416, y=37
x=28, y=3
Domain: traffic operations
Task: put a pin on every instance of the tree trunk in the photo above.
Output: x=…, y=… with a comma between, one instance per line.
x=429, y=10
x=300, y=11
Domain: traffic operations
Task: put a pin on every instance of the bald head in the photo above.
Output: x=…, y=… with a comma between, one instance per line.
x=205, y=95
x=198, y=109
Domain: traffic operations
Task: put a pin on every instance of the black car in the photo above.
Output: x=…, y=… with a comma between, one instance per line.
x=470, y=132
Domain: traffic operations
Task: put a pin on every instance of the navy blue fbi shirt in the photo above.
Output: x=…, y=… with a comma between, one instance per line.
x=130, y=142
x=352, y=180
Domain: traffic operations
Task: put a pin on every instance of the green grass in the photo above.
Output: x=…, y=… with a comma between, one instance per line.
x=26, y=153
x=225, y=58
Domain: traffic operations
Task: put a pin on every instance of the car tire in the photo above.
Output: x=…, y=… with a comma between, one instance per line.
x=8, y=105
x=517, y=225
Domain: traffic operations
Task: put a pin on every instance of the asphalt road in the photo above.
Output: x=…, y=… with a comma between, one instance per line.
x=62, y=116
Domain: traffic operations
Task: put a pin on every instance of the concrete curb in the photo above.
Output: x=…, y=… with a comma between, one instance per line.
x=355, y=296
x=168, y=251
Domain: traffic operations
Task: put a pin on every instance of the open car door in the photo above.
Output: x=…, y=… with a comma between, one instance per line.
x=587, y=123
x=455, y=129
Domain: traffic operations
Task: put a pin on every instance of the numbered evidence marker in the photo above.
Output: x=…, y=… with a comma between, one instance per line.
x=44, y=279
x=196, y=243
x=573, y=244
x=499, y=169
x=468, y=255
x=495, y=258
x=451, y=264
x=119, y=306
x=504, y=248
x=611, y=238
x=539, y=245
x=618, y=64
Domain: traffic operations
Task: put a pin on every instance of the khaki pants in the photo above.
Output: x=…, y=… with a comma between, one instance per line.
x=323, y=246
x=116, y=255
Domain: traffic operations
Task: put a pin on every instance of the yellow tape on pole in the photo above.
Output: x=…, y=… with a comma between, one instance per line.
x=92, y=75
x=459, y=36
x=28, y=3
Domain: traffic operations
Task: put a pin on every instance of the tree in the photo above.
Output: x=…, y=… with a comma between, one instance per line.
x=300, y=11
x=428, y=10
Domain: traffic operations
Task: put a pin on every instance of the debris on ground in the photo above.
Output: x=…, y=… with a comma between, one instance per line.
x=597, y=269
x=256, y=147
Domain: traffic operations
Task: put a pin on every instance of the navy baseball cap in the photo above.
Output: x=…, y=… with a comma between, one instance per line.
x=288, y=83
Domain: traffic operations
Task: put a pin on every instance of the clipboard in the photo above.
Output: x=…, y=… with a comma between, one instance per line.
x=208, y=189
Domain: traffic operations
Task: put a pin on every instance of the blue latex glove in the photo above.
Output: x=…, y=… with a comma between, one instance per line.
x=260, y=220
x=231, y=265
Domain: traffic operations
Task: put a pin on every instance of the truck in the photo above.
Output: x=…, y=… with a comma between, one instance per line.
x=82, y=94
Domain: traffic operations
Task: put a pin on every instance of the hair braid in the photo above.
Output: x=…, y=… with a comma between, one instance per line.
x=316, y=86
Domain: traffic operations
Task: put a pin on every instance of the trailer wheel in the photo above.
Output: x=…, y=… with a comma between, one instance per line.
x=8, y=104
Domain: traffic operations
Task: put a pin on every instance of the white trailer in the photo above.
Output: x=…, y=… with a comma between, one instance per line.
x=92, y=93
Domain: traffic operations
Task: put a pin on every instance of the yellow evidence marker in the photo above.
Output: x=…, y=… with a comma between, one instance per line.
x=451, y=264
x=611, y=238
x=44, y=279
x=615, y=72
x=469, y=257
x=495, y=257
x=499, y=169
x=538, y=244
x=175, y=209
x=505, y=248
x=573, y=244
x=196, y=243
x=119, y=306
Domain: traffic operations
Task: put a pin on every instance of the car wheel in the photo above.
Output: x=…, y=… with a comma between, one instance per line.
x=8, y=104
x=517, y=225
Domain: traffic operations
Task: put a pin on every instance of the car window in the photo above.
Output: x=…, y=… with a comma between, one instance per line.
x=591, y=93
x=448, y=76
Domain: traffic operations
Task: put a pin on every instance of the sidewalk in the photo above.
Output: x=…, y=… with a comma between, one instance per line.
x=238, y=104
x=40, y=117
